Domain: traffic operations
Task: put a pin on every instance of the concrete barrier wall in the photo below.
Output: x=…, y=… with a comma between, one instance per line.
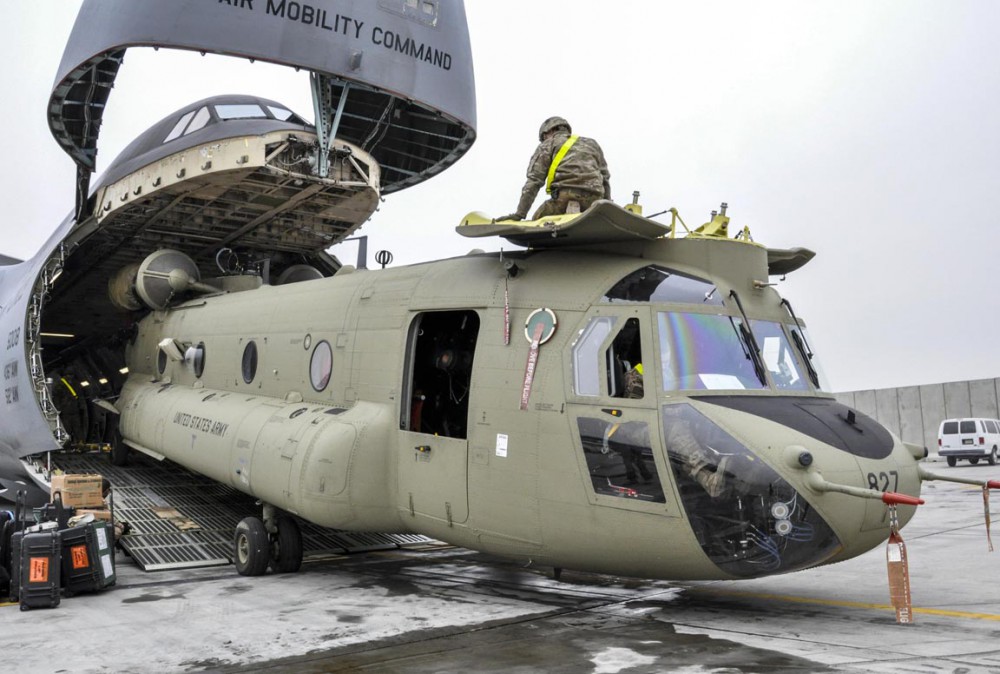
x=914, y=413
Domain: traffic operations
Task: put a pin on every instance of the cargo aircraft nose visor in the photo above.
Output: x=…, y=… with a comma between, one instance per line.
x=747, y=519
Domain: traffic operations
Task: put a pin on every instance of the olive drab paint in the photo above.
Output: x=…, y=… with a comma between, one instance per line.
x=394, y=400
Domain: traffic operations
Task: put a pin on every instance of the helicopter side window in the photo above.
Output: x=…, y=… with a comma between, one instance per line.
x=441, y=352
x=620, y=459
x=586, y=363
x=704, y=351
x=624, y=358
x=778, y=356
x=249, y=363
x=662, y=285
x=321, y=366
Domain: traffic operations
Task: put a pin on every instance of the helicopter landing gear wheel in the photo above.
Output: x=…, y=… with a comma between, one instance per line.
x=252, y=547
x=952, y=461
x=974, y=461
x=286, y=546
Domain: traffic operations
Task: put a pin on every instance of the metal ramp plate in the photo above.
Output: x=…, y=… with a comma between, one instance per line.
x=180, y=519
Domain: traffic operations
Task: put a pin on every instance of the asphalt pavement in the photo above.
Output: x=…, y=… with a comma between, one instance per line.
x=436, y=608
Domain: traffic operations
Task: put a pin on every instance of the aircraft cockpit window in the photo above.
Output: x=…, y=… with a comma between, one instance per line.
x=704, y=351
x=624, y=358
x=586, y=348
x=250, y=362
x=746, y=518
x=240, y=111
x=778, y=357
x=201, y=118
x=321, y=366
x=280, y=113
x=620, y=459
x=179, y=127
x=660, y=285
x=801, y=339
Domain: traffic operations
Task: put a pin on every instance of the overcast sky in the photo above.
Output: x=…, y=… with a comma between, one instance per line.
x=866, y=131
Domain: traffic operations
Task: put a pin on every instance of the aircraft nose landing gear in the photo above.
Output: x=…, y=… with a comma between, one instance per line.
x=274, y=541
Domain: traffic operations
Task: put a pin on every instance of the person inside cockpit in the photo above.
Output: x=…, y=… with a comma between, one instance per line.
x=629, y=439
x=703, y=464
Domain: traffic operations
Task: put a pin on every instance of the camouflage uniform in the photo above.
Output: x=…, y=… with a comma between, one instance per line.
x=582, y=176
x=698, y=462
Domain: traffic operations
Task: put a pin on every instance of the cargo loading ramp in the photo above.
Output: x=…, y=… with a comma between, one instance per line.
x=180, y=520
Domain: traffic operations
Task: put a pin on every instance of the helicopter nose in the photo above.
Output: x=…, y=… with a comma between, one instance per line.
x=748, y=519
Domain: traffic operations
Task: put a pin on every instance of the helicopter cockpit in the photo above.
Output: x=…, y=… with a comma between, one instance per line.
x=745, y=516
x=707, y=349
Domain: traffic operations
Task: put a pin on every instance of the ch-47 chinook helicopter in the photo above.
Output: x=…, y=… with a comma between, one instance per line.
x=615, y=398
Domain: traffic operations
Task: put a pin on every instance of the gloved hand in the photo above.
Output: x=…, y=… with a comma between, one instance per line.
x=512, y=216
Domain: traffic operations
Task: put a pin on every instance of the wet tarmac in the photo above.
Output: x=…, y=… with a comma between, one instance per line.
x=441, y=609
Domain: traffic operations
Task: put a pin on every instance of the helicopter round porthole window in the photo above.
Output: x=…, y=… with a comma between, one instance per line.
x=199, y=360
x=161, y=361
x=250, y=362
x=321, y=365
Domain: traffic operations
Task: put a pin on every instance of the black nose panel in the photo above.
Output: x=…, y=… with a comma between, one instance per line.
x=825, y=420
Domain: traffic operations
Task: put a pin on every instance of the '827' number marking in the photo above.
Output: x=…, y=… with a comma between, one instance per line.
x=881, y=481
x=13, y=338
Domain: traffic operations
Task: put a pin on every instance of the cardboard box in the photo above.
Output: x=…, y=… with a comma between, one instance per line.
x=79, y=491
x=99, y=514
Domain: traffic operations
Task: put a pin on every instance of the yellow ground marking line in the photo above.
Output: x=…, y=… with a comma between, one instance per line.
x=848, y=604
x=8, y=603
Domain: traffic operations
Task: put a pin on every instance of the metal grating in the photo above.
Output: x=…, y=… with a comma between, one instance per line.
x=211, y=509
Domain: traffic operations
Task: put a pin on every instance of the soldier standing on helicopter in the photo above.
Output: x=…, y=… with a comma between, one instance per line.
x=572, y=168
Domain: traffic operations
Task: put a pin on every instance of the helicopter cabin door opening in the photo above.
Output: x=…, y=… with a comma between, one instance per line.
x=613, y=411
x=434, y=415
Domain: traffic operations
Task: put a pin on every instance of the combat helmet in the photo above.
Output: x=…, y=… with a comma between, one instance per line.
x=552, y=123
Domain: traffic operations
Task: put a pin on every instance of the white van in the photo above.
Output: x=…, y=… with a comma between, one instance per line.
x=971, y=439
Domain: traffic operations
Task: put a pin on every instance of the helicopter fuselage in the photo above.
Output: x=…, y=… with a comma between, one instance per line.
x=390, y=400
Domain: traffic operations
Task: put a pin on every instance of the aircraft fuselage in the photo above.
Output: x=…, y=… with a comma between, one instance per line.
x=389, y=401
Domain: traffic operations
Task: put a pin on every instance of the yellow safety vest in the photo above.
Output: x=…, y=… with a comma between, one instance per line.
x=560, y=155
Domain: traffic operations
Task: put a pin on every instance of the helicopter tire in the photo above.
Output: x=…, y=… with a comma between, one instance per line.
x=952, y=461
x=993, y=457
x=252, y=548
x=119, y=450
x=286, y=546
x=974, y=460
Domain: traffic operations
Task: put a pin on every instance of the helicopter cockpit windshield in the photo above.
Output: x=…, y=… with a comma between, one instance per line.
x=778, y=356
x=704, y=352
x=709, y=351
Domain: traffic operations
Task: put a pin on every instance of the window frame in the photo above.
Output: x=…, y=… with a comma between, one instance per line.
x=312, y=361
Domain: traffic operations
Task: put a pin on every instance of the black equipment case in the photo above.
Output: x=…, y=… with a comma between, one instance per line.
x=41, y=560
x=87, y=564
